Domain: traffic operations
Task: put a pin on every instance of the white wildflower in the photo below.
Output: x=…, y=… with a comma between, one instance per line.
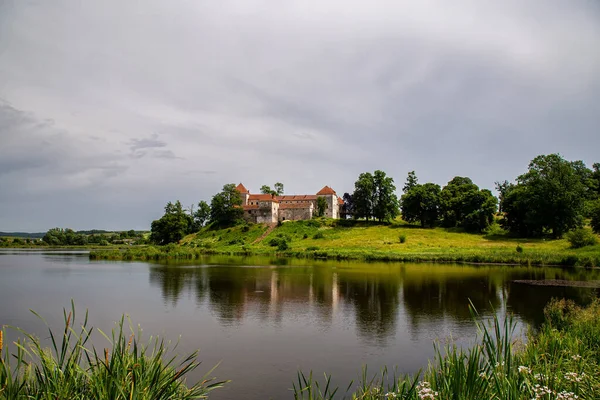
x=564, y=395
x=425, y=392
x=390, y=395
x=574, y=376
x=540, y=377
x=524, y=370
x=576, y=357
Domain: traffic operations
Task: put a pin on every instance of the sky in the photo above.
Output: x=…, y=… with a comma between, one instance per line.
x=109, y=109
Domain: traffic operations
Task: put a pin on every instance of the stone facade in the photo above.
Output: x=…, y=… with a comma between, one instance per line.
x=265, y=208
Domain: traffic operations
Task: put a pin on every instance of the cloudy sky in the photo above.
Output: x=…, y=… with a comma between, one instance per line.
x=109, y=109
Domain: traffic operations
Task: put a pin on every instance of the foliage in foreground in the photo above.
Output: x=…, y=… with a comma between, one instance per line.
x=72, y=369
x=559, y=362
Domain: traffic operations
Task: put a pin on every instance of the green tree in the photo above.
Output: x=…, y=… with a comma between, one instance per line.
x=226, y=206
x=278, y=189
x=595, y=215
x=463, y=204
x=548, y=198
x=595, y=179
x=421, y=203
x=364, y=189
x=411, y=181
x=321, y=206
x=172, y=226
x=265, y=189
x=201, y=215
x=385, y=206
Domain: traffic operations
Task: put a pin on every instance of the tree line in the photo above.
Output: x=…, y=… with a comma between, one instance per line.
x=552, y=197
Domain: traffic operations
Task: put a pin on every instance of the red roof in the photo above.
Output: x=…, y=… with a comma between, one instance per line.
x=340, y=201
x=241, y=188
x=250, y=207
x=325, y=191
x=262, y=197
x=297, y=197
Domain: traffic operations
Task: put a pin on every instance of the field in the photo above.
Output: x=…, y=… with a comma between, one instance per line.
x=344, y=239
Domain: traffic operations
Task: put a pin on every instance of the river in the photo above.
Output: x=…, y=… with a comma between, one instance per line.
x=266, y=319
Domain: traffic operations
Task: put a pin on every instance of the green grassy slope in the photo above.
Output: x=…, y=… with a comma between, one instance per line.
x=367, y=241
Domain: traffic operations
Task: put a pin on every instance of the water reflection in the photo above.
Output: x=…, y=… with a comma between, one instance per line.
x=375, y=293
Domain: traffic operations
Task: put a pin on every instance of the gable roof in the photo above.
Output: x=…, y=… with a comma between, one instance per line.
x=340, y=201
x=262, y=197
x=297, y=197
x=326, y=191
x=242, y=189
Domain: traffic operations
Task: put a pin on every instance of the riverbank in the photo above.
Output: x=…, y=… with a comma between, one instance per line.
x=351, y=240
x=559, y=362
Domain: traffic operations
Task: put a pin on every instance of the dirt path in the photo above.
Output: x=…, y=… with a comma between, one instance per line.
x=264, y=235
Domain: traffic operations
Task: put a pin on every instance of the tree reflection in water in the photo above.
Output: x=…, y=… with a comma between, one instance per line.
x=375, y=294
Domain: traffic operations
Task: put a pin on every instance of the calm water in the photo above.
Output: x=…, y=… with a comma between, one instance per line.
x=266, y=319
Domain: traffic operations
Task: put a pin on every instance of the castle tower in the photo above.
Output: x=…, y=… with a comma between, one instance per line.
x=244, y=193
x=333, y=206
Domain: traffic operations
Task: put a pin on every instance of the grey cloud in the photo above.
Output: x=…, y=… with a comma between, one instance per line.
x=166, y=154
x=146, y=143
x=304, y=92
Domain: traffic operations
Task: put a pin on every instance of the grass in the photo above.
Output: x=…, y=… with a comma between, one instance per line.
x=559, y=362
x=71, y=368
x=358, y=240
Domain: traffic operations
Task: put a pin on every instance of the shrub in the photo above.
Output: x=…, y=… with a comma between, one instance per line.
x=283, y=245
x=595, y=215
x=314, y=223
x=305, y=236
x=72, y=368
x=274, y=242
x=402, y=238
x=519, y=248
x=312, y=248
x=245, y=228
x=318, y=235
x=581, y=237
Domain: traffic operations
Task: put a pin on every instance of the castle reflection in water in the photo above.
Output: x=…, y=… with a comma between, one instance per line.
x=375, y=294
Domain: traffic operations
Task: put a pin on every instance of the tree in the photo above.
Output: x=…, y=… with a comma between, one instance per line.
x=265, y=189
x=502, y=188
x=385, y=206
x=411, y=181
x=463, y=204
x=278, y=189
x=321, y=206
x=201, y=215
x=421, y=203
x=364, y=188
x=549, y=197
x=348, y=206
x=226, y=206
x=172, y=226
x=374, y=197
x=595, y=215
x=595, y=179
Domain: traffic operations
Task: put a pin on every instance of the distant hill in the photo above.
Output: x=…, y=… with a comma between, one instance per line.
x=25, y=235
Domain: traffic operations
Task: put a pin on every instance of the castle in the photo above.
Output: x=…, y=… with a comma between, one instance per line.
x=266, y=208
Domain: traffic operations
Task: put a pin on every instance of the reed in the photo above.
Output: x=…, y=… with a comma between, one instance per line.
x=561, y=361
x=72, y=368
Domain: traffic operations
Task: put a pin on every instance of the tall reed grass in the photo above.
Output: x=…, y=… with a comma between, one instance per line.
x=71, y=368
x=559, y=362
